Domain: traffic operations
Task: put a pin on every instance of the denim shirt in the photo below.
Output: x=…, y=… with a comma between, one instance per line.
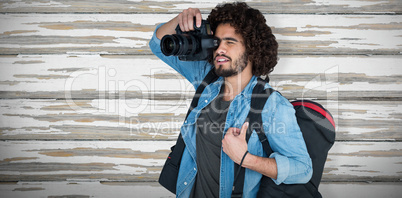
x=289, y=149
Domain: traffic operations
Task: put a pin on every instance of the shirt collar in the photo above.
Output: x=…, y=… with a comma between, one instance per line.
x=246, y=92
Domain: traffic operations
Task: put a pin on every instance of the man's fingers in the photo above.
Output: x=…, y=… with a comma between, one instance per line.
x=236, y=131
x=198, y=18
x=186, y=19
x=244, y=129
x=190, y=19
x=180, y=21
x=194, y=13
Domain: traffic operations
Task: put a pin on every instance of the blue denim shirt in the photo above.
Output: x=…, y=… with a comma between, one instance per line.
x=280, y=125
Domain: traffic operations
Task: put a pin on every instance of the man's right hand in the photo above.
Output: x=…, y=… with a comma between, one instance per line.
x=185, y=20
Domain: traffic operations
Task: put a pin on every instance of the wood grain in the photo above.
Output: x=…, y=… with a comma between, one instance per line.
x=142, y=160
x=129, y=34
x=27, y=119
x=154, y=190
x=156, y=6
x=86, y=110
x=146, y=77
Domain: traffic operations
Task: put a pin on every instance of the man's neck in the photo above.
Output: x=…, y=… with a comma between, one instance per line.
x=235, y=84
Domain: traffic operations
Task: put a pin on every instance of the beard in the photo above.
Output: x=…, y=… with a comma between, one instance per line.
x=235, y=68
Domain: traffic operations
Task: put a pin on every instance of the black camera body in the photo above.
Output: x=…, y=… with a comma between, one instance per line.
x=190, y=46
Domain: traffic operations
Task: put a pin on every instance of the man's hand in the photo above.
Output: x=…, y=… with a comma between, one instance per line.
x=186, y=19
x=234, y=143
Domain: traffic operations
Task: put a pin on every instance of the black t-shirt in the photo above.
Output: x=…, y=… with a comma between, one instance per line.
x=210, y=126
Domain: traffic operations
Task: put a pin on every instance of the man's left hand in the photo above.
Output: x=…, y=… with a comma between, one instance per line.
x=234, y=143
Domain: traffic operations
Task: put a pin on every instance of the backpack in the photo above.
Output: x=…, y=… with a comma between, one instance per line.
x=315, y=122
x=318, y=129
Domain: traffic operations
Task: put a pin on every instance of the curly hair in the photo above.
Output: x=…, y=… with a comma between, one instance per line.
x=260, y=43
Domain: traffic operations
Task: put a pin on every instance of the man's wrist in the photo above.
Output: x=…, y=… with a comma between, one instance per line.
x=263, y=165
x=242, y=159
x=248, y=160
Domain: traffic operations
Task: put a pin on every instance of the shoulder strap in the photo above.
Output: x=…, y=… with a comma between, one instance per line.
x=208, y=79
x=170, y=171
x=258, y=99
x=180, y=145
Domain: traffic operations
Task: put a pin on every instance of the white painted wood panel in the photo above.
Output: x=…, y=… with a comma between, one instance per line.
x=142, y=161
x=130, y=33
x=154, y=190
x=133, y=77
x=84, y=104
x=132, y=119
x=152, y=6
x=82, y=160
x=91, y=119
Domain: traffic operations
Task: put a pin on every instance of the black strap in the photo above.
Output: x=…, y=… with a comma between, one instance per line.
x=180, y=145
x=209, y=78
x=259, y=97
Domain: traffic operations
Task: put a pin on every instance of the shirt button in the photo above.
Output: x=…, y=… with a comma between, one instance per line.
x=185, y=183
x=195, y=169
x=206, y=101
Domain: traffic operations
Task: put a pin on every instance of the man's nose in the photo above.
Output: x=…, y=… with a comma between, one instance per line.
x=221, y=49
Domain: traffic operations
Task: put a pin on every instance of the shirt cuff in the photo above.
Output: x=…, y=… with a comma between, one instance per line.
x=282, y=164
x=155, y=39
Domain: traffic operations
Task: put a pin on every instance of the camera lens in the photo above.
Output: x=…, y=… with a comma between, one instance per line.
x=169, y=45
x=179, y=44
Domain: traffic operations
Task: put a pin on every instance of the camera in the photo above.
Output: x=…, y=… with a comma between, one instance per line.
x=190, y=46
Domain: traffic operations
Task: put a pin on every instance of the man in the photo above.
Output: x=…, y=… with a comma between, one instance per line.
x=214, y=132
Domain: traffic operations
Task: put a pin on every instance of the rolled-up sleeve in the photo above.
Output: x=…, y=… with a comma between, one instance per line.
x=193, y=71
x=294, y=164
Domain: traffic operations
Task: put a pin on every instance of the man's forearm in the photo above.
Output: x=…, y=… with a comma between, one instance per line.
x=263, y=165
x=167, y=28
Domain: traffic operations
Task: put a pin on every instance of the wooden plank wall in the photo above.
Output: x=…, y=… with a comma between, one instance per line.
x=86, y=110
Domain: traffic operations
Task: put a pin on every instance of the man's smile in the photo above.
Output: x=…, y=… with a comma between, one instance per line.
x=222, y=58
